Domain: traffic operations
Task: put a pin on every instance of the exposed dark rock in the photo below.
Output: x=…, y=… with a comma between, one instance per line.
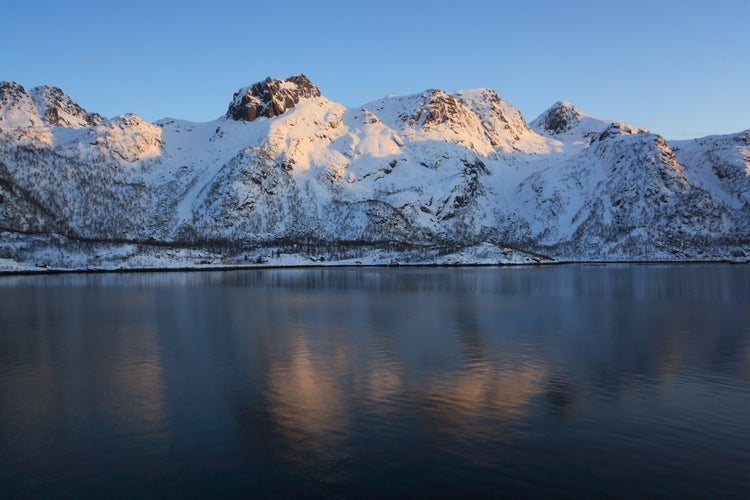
x=438, y=107
x=16, y=108
x=56, y=108
x=48, y=103
x=616, y=129
x=270, y=98
x=560, y=117
x=743, y=139
x=10, y=90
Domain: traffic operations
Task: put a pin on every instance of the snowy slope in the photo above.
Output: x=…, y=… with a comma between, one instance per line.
x=16, y=107
x=720, y=165
x=288, y=176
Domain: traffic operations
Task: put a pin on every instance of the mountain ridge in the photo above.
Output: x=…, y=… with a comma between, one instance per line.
x=288, y=177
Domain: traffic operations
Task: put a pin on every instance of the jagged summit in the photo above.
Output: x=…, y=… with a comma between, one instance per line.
x=41, y=105
x=436, y=107
x=270, y=97
x=564, y=120
x=559, y=118
x=16, y=107
x=10, y=91
x=56, y=108
x=474, y=118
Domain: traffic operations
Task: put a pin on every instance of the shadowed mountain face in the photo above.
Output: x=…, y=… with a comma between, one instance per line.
x=435, y=177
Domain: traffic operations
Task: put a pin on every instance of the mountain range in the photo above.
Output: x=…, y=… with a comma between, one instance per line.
x=289, y=177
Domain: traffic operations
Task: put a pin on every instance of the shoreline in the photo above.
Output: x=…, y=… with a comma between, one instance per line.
x=333, y=265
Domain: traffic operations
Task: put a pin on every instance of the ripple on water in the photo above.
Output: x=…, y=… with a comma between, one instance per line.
x=628, y=381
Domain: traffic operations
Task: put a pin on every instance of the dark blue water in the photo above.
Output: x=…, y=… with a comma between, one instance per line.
x=570, y=381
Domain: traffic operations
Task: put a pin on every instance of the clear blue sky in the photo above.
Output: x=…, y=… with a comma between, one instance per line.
x=679, y=68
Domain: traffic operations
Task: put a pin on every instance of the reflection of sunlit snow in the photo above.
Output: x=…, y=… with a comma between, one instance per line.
x=457, y=403
x=306, y=404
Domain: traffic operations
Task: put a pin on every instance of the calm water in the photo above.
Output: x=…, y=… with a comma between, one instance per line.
x=614, y=381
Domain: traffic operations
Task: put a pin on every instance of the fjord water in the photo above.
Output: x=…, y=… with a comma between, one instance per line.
x=618, y=380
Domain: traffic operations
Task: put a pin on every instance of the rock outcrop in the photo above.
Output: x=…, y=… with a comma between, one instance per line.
x=559, y=118
x=270, y=98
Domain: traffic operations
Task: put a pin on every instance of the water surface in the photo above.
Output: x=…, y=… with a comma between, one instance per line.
x=558, y=381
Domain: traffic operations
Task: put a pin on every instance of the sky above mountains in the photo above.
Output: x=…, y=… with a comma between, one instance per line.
x=678, y=68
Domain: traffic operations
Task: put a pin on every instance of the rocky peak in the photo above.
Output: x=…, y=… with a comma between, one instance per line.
x=502, y=123
x=560, y=118
x=16, y=107
x=436, y=108
x=41, y=106
x=270, y=98
x=476, y=118
x=10, y=90
x=56, y=108
x=617, y=129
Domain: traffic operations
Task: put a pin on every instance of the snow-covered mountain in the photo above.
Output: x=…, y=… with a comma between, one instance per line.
x=287, y=176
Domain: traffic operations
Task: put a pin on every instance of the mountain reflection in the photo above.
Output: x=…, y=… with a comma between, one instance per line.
x=460, y=403
x=351, y=376
x=305, y=400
